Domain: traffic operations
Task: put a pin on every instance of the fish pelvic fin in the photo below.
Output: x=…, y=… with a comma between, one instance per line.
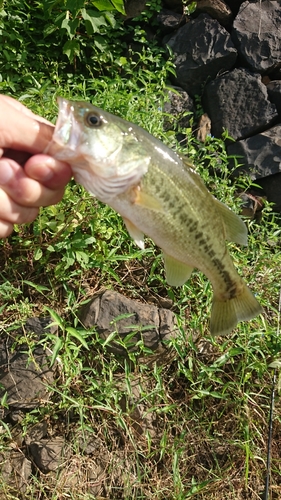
x=226, y=314
x=235, y=228
x=177, y=273
x=135, y=233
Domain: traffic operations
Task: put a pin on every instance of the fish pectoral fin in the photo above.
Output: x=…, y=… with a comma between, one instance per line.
x=135, y=233
x=177, y=273
x=235, y=229
x=147, y=201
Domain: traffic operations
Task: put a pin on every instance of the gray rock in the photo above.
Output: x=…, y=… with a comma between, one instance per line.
x=181, y=108
x=134, y=8
x=257, y=35
x=48, y=454
x=15, y=471
x=112, y=312
x=201, y=48
x=175, y=5
x=25, y=379
x=259, y=155
x=238, y=102
x=272, y=188
x=169, y=21
x=274, y=94
x=217, y=9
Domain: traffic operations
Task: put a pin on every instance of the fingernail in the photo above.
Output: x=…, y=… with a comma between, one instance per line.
x=46, y=173
x=6, y=172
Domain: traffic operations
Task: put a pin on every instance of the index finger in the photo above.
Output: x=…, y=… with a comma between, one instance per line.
x=22, y=130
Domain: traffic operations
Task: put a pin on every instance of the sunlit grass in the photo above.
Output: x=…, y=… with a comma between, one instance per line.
x=202, y=430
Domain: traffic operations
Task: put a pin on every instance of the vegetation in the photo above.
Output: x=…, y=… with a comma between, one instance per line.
x=203, y=426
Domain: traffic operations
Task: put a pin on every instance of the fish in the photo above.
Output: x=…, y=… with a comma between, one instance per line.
x=158, y=194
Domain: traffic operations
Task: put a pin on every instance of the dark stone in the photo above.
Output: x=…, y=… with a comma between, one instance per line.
x=134, y=8
x=238, y=102
x=274, y=94
x=201, y=48
x=272, y=187
x=15, y=472
x=257, y=35
x=169, y=21
x=175, y=5
x=217, y=9
x=181, y=106
x=111, y=312
x=23, y=378
x=259, y=155
x=234, y=5
x=48, y=454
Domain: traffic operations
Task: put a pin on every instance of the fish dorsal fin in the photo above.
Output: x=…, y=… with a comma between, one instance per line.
x=235, y=228
x=177, y=273
x=135, y=233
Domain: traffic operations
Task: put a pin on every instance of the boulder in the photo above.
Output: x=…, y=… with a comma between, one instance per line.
x=259, y=156
x=243, y=104
x=217, y=9
x=112, y=312
x=274, y=94
x=25, y=378
x=256, y=34
x=169, y=21
x=201, y=49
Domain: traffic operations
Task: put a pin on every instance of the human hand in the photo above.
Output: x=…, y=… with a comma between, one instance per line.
x=28, y=178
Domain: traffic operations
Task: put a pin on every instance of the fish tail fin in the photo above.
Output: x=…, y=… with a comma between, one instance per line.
x=226, y=314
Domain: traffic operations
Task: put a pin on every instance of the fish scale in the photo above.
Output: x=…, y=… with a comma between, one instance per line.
x=158, y=194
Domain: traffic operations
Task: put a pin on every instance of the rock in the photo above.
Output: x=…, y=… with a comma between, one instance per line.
x=217, y=9
x=272, y=188
x=234, y=5
x=243, y=102
x=111, y=312
x=48, y=454
x=274, y=94
x=175, y=5
x=201, y=48
x=169, y=21
x=181, y=106
x=25, y=379
x=257, y=35
x=134, y=8
x=259, y=155
x=15, y=471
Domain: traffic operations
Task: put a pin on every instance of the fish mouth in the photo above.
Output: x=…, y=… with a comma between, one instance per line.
x=65, y=137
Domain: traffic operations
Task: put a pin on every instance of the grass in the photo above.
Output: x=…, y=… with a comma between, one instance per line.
x=191, y=427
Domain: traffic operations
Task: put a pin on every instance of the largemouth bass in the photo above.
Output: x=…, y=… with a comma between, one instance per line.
x=157, y=193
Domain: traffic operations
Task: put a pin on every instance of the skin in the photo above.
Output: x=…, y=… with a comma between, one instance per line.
x=29, y=178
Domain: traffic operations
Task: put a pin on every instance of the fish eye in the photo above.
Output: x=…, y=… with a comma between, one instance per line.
x=93, y=120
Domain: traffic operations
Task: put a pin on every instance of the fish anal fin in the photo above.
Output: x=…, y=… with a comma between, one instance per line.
x=135, y=233
x=235, y=228
x=146, y=200
x=177, y=273
x=226, y=314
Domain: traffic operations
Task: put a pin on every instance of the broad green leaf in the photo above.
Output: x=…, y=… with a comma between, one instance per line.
x=71, y=49
x=38, y=288
x=102, y=4
x=70, y=26
x=119, y=5
x=93, y=20
x=37, y=254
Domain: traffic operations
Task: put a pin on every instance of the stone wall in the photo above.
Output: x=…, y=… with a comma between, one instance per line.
x=229, y=54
